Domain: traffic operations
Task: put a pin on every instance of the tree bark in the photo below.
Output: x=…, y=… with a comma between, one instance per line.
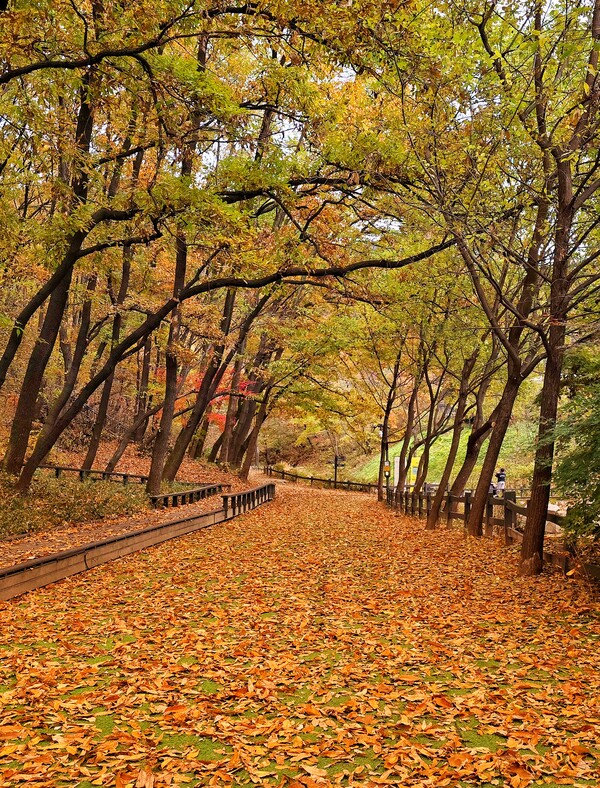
x=212, y=457
x=410, y=418
x=253, y=439
x=233, y=408
x=385, y=427
x=81, y=345
x=502, y=415
x=30, y=388
x=532, y=547
x=108, y=384
x=197, y=446
x=142, y=401
x=211, y=379
x=61, y=278
x=457, y=428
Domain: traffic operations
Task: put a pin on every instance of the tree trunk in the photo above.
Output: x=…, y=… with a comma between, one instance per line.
x=384, y=455
x=253, y=439
x=212, y=457
x=410, y=418
x=142, y=401
x=64, y=272
x=108, y=384
x=211, y=379
x=77, y=357
x=457, y=428
x=503, y=413
x=161, y=444
x=532, y=548
x=233, y=406
x=197, y=447
x=30, y=388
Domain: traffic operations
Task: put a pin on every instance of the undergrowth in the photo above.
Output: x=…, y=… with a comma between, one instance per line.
x=53, y=502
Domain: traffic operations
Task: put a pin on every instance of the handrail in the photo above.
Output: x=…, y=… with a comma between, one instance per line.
x=336, y=484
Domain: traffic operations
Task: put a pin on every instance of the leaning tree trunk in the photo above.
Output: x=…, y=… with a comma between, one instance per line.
x=233, y=407
x=503, y=414
x=404, y=451
x=457, y=428
x=212, y=377
x=30, y=388
x=253, y=439
x=77, y=357
x=142, y=400
x=116, y=327
x=197, y=446
x=216, y=447
x=161, y=444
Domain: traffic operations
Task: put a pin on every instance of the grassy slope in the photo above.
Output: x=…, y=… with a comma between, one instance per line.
x=516, y=456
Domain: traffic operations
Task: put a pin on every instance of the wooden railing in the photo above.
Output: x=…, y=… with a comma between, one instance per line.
x=16, y=580
x=419, y=505
x=183, y=497
x=316, y=481
x=238, y=503
x=95, y=474
x=163, y=500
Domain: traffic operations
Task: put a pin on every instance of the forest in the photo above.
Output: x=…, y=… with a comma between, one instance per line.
x=366, y=223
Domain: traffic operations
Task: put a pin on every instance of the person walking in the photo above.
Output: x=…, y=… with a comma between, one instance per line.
x=501, y=485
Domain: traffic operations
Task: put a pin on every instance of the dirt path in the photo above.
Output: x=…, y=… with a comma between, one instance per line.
x=318, y=640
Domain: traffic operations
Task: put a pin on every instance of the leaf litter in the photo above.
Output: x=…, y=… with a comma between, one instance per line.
x=319, y=640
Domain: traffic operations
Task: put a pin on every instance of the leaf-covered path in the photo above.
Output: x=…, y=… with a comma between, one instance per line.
x=318, y=640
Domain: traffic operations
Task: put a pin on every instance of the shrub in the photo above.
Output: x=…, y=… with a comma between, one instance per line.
x=53, y=502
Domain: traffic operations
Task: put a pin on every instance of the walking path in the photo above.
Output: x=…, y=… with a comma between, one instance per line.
x=319, y=640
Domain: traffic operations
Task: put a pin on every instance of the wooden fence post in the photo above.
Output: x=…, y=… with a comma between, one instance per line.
x=448, y=510
x=509, y=515
x=467, y=505
x=489, y=508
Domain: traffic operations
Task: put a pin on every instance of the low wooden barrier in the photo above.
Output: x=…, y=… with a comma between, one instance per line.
x=419, y=505
x=238, y=503
x=95, y=474
x=27, y=576
x=164, y=500
x=334, y=484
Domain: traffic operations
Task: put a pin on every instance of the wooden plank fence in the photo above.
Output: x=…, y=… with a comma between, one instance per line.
x=316, y=481
x=95, y=474
x=27, y=576
x=503, y=523
x=164, y=500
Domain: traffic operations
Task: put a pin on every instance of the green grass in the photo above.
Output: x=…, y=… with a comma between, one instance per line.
x=54, y=502
x=516, y=456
